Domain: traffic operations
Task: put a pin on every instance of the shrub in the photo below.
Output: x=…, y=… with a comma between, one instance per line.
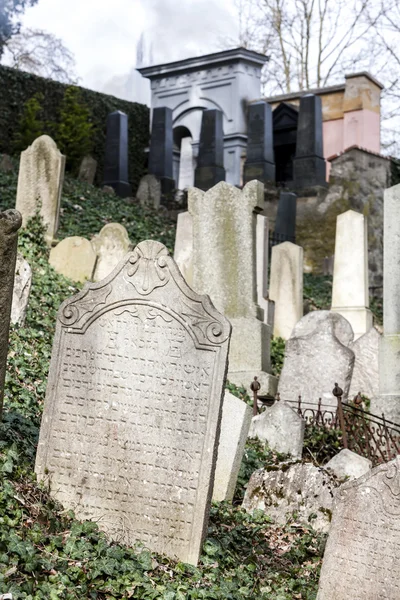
x=30, y=124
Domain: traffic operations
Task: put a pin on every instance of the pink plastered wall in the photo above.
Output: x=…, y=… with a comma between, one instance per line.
x=357, y=128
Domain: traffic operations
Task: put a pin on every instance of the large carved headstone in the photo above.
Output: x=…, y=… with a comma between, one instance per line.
x=116, y=155
x=210, y=162
x=10, y=222
x=40, y=181
x=260, y=146
x=161, y=148
x=309, y=167
x=130, y=427
x=362, y=555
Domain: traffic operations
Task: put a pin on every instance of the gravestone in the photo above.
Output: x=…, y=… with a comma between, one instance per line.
x=183, y=251
x=362, y=554
x=260, y=147
x=40, y=181
x=285, y=224
x=286, y=287
x=309, y=168
x=10, y=222
x=87, y=170
x=348, y=464
x=186, y=167
x=350, y=293
x=161, y=148
x=388, y=399
x=298, y=487
x=6, y=164
x=73, y=257
x=262, y=258
x=210, y=161
x=281, y=427
x=21, y=291
x=149, y=191
x=110, y=246
x=116, y=155
x=224, y=267
x=365, y=378
x=315, y=359
x=131, y=420
x=235, y=423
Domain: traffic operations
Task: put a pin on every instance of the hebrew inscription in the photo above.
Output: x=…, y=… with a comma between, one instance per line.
x=130, y=425
x=362, y=557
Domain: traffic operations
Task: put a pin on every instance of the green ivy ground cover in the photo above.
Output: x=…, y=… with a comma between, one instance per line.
x=47, y=554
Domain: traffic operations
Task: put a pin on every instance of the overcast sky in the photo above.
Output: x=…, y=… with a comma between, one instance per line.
x=103, y=34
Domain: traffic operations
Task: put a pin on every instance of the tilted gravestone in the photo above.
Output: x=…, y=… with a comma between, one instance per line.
x=260, y=162
x=130, y=427
x=161, y=148
x=10, y=222
x=73, y=257
x=281, y=427
x=87, y=170
x=210, y=161
x=110, y=246
x=362, y=555
x=285, y=224
x=116, y=155
x=149, y=191
x=309, y=167
x=40, y=181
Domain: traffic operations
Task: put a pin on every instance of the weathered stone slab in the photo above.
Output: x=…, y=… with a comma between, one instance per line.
x=362, y=555
x=131, y=420
x=301, y=488
x=350, y=294
x=315, y=360
x=10, y=222
x=110, y=246
x=286, y=287
x=262, y=259
x=235, y=423
x=183, y=251
x=73, y=257
x=315, y=319
x=87, y=170
x=21, y=291
x=149, y=191
x=365, y=378
x=348, y=464
x=40, y=181
x=281, y=427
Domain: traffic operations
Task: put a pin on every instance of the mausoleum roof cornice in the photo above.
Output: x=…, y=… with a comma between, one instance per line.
x=225, y=57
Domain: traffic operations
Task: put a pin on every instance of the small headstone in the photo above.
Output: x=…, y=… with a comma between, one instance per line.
x=116, y=155
x=235, y=423
x=350, y=294
x=315, y=360
x=309, y=167
x=161, y=148
x=224, y=267
x=6, y=164
x=348, y=464
x=315, y=319
x=10, y=222
x=107, y=189
x=210, y=161
x=183, y=251
x=281, y=427
x=260, y=146
x=299, y=488
x=87, y=170
x=149, y=191
x=40, y=181
x=285, y=224
x=286, y=287
x=365, y=377
x=362, y=558
x=110, y=246
x=130, y=427
x=21, y=291
x=73, y=257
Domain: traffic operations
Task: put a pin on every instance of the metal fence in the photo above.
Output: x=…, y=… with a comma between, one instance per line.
x=367, y=434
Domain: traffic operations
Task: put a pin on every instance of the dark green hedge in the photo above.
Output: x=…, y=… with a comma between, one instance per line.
x=16, y=87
